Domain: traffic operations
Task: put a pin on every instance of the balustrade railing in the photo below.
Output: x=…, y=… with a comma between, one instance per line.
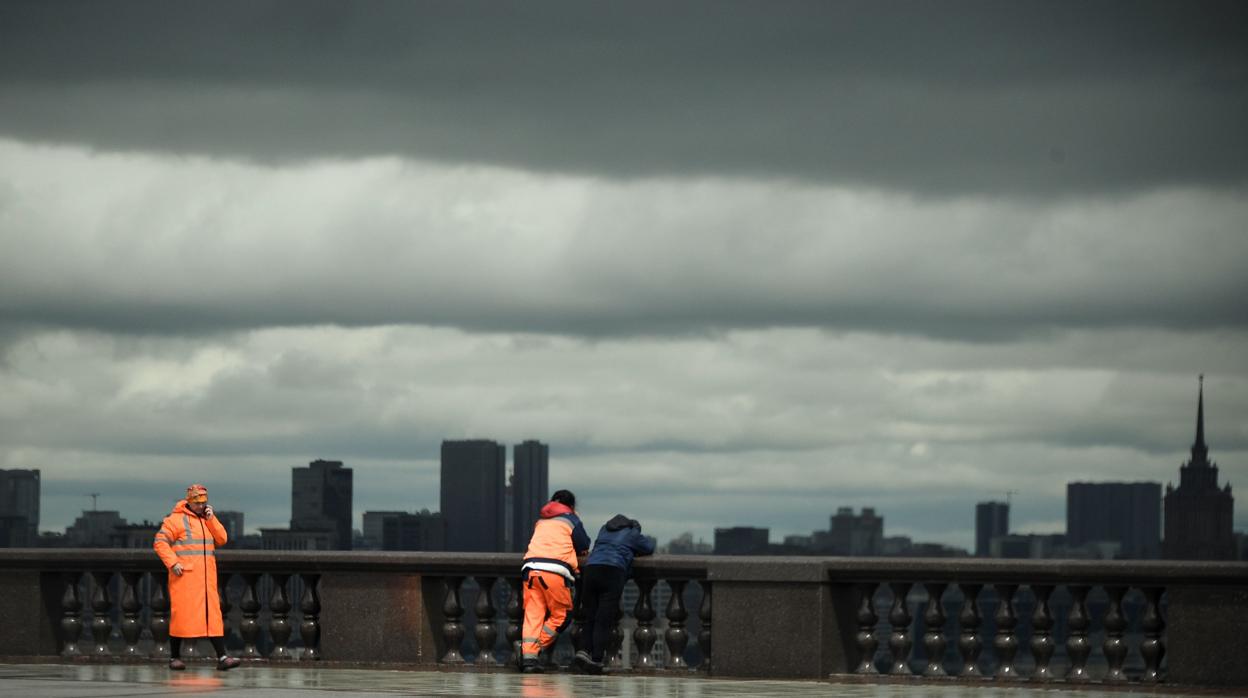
x=1004, y=620
x=138, y=626
x=1019, y=619
x=482, y=614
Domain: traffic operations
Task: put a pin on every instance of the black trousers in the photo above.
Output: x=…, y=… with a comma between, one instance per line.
x=603, y=585
x=175, y=645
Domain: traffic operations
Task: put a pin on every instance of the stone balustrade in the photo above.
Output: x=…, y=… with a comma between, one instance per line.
x=789, y=617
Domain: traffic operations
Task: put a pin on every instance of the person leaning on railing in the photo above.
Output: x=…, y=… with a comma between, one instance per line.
x=551, y=563
x=187, y=543
x=604, y=575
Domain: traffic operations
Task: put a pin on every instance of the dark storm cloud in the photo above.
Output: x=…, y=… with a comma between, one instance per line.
x=1017, y=97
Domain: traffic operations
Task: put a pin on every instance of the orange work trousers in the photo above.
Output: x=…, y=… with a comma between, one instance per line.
x=547, y=607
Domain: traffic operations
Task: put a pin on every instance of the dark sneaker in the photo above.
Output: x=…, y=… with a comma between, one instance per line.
x=228, y=663
x=582, y=660
x=177, y=664
x=594, y=668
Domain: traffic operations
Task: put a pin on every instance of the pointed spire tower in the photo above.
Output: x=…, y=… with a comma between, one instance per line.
x=1200, y=452
x=1198, y=513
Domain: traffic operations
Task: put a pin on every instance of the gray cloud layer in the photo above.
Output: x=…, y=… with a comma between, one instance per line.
x=139, y=243
x=1022, y=98
x=774, y=427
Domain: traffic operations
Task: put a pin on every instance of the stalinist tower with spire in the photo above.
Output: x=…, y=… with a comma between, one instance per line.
x=1198, y=512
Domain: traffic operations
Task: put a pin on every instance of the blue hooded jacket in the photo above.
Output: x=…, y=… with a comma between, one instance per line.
x=618, y=541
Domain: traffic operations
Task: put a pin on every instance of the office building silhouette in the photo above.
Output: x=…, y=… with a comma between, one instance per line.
x=530, y=489
x=992, y=520
x=472, y=495
x=1126, y=513
x=321, y=501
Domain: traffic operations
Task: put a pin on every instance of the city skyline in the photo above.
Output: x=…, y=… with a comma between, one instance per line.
x=742, y=271
x=1111, y=523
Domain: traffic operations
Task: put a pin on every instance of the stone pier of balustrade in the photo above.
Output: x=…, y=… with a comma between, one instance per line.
x=815, y=617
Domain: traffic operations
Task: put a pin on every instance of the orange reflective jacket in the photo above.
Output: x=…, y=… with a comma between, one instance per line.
x=195, y=604
x=558, y=538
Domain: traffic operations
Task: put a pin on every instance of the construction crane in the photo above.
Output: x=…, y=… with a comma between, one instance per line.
x=94, y=496
x=1008, y=494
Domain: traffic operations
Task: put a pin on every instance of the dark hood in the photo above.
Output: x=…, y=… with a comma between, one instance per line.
x=620, y=521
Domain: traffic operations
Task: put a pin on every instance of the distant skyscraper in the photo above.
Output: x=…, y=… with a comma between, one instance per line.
x=233, y=523
x=530, y=489
x=320, y=499
x=992, y=519
x=19, y=508
x=473, y=479
x=853, y=535
x=1199, y=514
x=742, y=540
x=399, y=530
x=1127, y=513
x=96, y=529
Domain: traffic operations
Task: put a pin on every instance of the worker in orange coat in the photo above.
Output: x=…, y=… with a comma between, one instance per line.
x=558, y=546
x=187, y=543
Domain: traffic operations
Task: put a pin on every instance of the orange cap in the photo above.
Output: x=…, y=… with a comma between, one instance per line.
x=196, y=494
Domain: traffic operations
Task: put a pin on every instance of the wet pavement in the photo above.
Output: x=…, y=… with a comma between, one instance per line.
x=118, y=681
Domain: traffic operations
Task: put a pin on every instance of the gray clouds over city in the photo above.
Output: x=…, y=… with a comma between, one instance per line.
x=737, y=263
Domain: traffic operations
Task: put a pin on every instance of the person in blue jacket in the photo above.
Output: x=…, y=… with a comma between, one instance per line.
x=605, y=572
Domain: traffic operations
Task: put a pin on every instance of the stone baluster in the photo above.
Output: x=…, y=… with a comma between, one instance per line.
x=452, y=629
x=515, y=617
x=1077, y=647
x=223, y=598
x=486, y=631
x=934, y=630
x=677, y=636
x=71, y=615
x=969, y=642
x=249, y=628
x=645, y=635
x=131, y=628
x=1006, y=642
x=160, y=616
x=1042, y=645
x=900, y=640
x=867, y=620
x=577, y=628
x=101, y=609
x=1152, y=648
x=279, y=621
x=1115, y=646
x=310, y=625
x=704, y=632
x=614, y=656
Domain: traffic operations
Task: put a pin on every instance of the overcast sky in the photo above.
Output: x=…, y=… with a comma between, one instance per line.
x=737, y=263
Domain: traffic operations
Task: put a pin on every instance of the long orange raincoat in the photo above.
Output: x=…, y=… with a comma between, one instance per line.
x=187, y=539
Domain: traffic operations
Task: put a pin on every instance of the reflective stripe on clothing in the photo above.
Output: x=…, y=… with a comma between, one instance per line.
x=546, y=606
x=194, y=598
x=557, y=567
x=554, y=541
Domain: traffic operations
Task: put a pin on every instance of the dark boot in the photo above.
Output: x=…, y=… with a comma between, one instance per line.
x=532, y=666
